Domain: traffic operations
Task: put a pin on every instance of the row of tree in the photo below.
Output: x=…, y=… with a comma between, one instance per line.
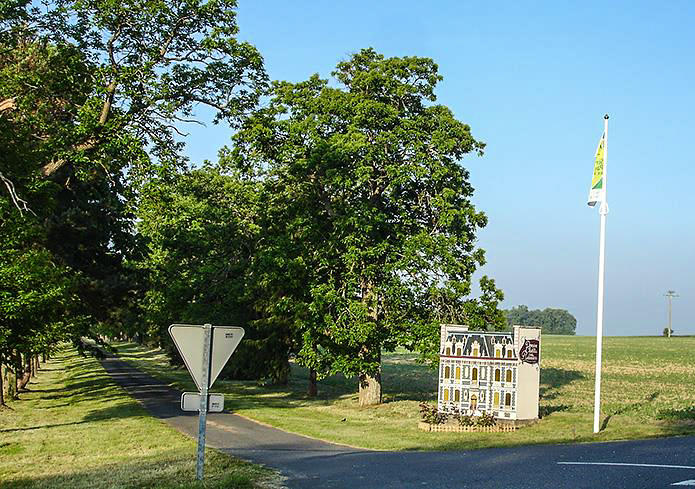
x=90, y=97
x=551, y=321
x=338, y=225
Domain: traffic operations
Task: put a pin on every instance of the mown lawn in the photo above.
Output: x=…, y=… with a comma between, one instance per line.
x=75, y=428
x=647, y=392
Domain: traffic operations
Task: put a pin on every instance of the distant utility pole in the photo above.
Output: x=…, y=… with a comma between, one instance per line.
x=670, y=294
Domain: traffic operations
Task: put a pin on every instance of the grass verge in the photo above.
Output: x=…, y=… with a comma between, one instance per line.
x=647, y=392
x=75, y=428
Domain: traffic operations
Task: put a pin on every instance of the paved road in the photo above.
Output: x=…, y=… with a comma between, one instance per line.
x=313, y=464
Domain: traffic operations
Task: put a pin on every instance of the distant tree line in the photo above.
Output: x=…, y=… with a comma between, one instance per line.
x=551, y=321
x=338, y=225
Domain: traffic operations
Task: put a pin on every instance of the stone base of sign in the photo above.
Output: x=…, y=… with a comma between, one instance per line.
x=454, y=427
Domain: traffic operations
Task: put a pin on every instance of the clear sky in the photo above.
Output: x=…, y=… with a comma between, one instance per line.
x=533, y=79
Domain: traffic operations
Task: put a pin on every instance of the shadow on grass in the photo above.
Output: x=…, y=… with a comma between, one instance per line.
x=546, y=410
x=173, y=469
x=553, y=379
x=678, y=415
x=402, y=380
x=629, y=408
x=93, y=384
x=96, y=385
x=128, y=409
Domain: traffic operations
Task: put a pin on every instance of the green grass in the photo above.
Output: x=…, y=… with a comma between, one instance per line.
x=75, y=428
x=647, y=392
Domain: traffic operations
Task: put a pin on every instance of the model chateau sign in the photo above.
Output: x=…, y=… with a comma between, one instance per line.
x=494, y=373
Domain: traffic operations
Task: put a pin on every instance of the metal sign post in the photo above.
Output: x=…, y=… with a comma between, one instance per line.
x=207, y=354
x=195, y=344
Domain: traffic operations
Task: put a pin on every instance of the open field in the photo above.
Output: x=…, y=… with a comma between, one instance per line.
x=647, y=392
x=75, y=428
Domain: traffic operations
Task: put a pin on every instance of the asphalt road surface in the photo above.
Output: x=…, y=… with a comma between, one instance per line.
x=313, y=464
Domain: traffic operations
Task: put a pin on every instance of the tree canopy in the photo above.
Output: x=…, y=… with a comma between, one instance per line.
x=551, y=321
x=338, y=225
x=93, y=99
x=373, y=205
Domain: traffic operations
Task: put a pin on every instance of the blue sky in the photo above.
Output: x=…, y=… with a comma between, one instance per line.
x=533, y=79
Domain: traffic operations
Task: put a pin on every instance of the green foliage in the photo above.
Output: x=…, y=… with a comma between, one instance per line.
x=485, y=420
x=34, y=295
x=666, y=332
x=92, y=98
x=371, y=243
x=551, y=321
x=201, y=231
x=463, y=419
x=429, y=414
x=483, y=313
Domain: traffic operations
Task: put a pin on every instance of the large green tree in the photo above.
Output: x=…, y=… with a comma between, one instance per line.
x=94, y=98
x=366, y=175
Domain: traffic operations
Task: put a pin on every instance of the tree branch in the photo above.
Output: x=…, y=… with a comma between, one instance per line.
x=21, y=204
x=8, y=104
x=54, y=165
x=106, y=109
x=174, y=30
x=111, y=88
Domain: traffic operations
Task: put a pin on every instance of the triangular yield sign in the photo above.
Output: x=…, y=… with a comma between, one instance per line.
x=225, y=339
x=189, y=338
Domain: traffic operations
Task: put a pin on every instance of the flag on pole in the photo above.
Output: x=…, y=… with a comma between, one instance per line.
x=597, y=192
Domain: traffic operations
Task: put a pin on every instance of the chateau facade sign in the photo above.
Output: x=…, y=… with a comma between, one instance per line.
x=496, y=373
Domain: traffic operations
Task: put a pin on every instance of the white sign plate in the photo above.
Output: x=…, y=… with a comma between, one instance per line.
x=190, y=401
x=188, y=339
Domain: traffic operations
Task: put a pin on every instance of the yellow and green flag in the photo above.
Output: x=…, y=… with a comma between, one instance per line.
x=597, y=192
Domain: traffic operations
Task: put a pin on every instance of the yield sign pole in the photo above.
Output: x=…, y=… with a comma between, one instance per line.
x=205, y=351
x=202, y=418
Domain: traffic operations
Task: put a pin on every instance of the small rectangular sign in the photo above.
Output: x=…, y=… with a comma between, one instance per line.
x=190, y=401
x=530, y=351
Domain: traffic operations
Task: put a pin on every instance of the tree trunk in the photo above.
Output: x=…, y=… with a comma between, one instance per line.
x=26, y=368
x=32, y=365
x=11, y=377
x=370, y=389
x=313, y=387
x=370, y=385
x=2, y=384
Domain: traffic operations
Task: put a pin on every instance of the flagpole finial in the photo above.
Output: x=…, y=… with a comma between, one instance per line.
x=605, y=116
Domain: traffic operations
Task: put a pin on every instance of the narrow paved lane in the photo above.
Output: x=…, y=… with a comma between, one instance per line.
x=313, y=464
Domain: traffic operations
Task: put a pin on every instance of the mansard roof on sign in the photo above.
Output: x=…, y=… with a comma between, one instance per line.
x=486, y=344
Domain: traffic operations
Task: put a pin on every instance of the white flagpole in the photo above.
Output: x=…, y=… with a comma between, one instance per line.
x=603, y=211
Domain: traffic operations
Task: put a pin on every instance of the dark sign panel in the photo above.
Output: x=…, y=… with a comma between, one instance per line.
x=530, y=351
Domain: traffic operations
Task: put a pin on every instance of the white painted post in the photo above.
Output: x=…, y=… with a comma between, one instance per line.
x=603, y=211
x=207, y=355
